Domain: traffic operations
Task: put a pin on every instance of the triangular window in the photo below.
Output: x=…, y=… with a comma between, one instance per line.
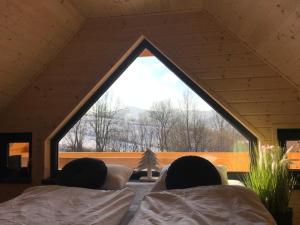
x=149, y=103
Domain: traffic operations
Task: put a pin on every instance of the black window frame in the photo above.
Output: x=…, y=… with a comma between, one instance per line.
x=18, y=137
x=145, y=44
x=289, y=134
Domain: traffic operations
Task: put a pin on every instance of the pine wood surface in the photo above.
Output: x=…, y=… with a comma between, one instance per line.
x=92, y=54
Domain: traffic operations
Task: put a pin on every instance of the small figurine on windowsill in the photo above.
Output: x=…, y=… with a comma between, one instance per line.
x=148, y=162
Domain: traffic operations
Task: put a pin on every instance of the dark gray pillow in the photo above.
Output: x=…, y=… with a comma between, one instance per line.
x=191, y=171
x=83, y=172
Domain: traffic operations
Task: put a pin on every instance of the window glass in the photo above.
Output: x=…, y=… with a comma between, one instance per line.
x=15, y=157
x=18, y=155
x=294, y=154
x=148, y=106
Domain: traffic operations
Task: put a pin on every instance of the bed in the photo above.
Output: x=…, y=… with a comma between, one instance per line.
x=207, y=205
x=53, y=204
x=134, y=203
x=183, y=197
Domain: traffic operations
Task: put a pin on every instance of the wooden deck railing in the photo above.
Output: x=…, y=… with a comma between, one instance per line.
x=235, y=161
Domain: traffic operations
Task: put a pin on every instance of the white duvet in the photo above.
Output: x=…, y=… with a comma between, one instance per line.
x=51, y=205
x=211, y=205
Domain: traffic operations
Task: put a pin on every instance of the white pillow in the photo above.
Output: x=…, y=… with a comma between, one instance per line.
x=161, y=184
x=223, y=173
x=236, y=182
x=117, y=177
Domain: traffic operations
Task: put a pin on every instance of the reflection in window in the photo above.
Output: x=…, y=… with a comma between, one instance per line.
x=294, y=154
x=15, y=157
x=150, y=107
x=18, y=155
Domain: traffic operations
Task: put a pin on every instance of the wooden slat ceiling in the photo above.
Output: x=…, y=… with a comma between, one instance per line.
x=108, y=8
x=33, y=32
x=271, y=28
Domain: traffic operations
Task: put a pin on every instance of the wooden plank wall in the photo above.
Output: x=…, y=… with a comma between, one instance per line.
x=214, y=58
x=271, y=28
x=32, y=34
x=104, y=8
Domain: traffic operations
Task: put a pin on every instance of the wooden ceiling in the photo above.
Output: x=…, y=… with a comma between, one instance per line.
x=33, y=32
x=107, y=8
x=271, y=28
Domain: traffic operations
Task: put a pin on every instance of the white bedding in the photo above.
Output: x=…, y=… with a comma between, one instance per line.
x=140, y=190
x=45, y=205
x=211, y=205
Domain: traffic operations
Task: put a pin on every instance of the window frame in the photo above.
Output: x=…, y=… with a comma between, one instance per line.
x=289, y=134
x=18, y=137
x=145, y=44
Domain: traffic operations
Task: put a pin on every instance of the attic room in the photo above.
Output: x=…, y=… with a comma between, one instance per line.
x=227, y=74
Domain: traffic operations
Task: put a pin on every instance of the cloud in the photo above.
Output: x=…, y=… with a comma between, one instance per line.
x=147, y=80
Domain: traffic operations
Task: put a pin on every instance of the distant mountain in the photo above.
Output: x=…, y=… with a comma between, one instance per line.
x=131, y=112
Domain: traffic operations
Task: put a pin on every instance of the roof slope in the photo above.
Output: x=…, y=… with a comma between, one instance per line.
x=215, y=59
x=249, y=82
x=36, y=31
x=32, y=34
x=105, y=8
x=271, y=28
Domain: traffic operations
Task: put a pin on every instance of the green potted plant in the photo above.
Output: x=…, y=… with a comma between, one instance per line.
x=270, y=178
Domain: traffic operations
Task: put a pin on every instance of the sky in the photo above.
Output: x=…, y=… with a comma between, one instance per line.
x=148, y=80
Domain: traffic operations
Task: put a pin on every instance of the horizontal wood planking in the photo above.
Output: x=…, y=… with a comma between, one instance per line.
x=221, y=61
x=267, y=132
x=92, y=52
x=31, y=36
x=269, y=120
x=236, y=72
x=270, y=28
x=256, y=83
x=235, y=161
x=270, y=108
x=101, y=8
x=264, y=95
